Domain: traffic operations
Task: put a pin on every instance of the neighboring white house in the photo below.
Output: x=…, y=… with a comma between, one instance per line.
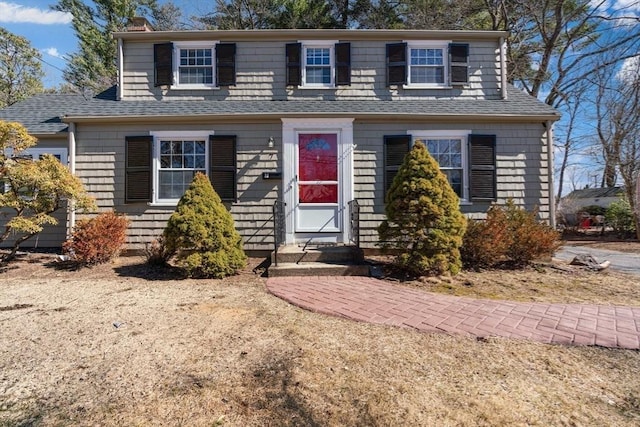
x=571, y=207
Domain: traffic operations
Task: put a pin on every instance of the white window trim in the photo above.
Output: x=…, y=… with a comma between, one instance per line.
x=176, y=64
x=59, y=151
x=440, y=44
x=327, y=44
x=155, y=163
x=35, y=153
x=463, y=135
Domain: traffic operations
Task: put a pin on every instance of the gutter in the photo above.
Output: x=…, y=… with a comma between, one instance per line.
x=72, y=168
x=267, y=117
x=120, y=92
x=552, y=197
x=503, y=67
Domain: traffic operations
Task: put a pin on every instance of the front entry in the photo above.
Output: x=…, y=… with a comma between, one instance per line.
x=318, y=170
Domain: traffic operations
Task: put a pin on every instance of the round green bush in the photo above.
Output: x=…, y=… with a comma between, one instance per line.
x=202, y=234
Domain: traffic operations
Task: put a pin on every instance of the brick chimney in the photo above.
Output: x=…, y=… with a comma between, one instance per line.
x=139, y=23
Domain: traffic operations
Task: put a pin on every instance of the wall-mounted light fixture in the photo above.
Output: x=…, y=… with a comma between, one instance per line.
x=271, y=142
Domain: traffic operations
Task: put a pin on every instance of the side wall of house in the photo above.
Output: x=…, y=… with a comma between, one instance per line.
x=521, y=175
x=52, y=236
x=261, y=75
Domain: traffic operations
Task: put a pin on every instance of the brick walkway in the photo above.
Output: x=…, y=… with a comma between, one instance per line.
x=371, y=300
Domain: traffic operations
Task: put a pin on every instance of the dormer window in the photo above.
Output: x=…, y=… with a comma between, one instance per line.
x=195, y=65
x=427, y=64
x=318, y=69
x=318, y=64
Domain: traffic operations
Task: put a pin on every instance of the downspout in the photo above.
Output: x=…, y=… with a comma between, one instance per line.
x=72, y=169
x=503, y=68
x=120, y=70
x=552, y=197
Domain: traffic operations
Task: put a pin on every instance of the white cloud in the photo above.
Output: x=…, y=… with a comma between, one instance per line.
x=15, y=13
x=52, y=51
x=630, y=69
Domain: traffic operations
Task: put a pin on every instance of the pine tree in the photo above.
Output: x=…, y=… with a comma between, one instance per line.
x=424, y=224
x=20, y=69
x=202, y=234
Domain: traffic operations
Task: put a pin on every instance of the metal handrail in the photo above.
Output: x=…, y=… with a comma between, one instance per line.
x=354, y=220
x=278, y=228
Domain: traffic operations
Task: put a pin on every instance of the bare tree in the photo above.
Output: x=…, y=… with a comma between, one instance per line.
x=617, y=110
x=552, y=41
x=567, y=138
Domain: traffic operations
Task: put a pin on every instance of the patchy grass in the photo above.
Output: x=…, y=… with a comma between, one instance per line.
x=540, y=283
x=225, y=352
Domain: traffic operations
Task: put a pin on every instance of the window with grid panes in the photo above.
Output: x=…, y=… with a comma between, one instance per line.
x=179, y=161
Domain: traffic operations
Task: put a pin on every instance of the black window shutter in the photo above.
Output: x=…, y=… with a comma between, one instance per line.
x=343, y=63
x=396, y=64
x=396, y=148
x=163, y=64
x=226, y=64
x=294, y=64
x=137, y=180
x=459, y=62
x=482, y=159
x=222, y=165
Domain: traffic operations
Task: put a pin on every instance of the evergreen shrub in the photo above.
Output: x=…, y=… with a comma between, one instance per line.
x=202, y=235
x=620, y=217
x=424, y=225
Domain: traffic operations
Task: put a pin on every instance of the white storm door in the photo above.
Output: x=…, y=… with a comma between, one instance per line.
x=317, y=184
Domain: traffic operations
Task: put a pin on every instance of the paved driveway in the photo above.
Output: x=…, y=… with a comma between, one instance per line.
x=620, y=261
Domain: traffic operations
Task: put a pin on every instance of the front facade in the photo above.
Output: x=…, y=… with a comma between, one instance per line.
x=314, y=119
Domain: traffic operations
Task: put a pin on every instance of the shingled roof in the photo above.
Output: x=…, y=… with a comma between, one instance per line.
x=49, y=113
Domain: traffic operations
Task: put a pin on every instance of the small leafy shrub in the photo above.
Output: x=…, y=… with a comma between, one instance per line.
x=509, y=235
x=486, y=242
x=97, y=240
x=424, y=225
x=202, y=234
x=157, y=253
x=620, y=217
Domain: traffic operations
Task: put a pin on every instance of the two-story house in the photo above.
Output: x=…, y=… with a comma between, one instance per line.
x=312, y=118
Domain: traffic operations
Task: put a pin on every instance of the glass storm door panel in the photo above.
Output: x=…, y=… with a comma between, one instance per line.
x=318, y=191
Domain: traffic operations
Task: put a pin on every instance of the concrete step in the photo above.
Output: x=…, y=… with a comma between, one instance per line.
x=317, y=269
x=332, y=254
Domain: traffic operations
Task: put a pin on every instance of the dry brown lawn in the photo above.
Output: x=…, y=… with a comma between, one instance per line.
x=206, y=353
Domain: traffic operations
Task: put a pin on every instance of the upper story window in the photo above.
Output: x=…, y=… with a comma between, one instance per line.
x=318, y=69
x=318, y=64
x=194, y=65
x=427, y=64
